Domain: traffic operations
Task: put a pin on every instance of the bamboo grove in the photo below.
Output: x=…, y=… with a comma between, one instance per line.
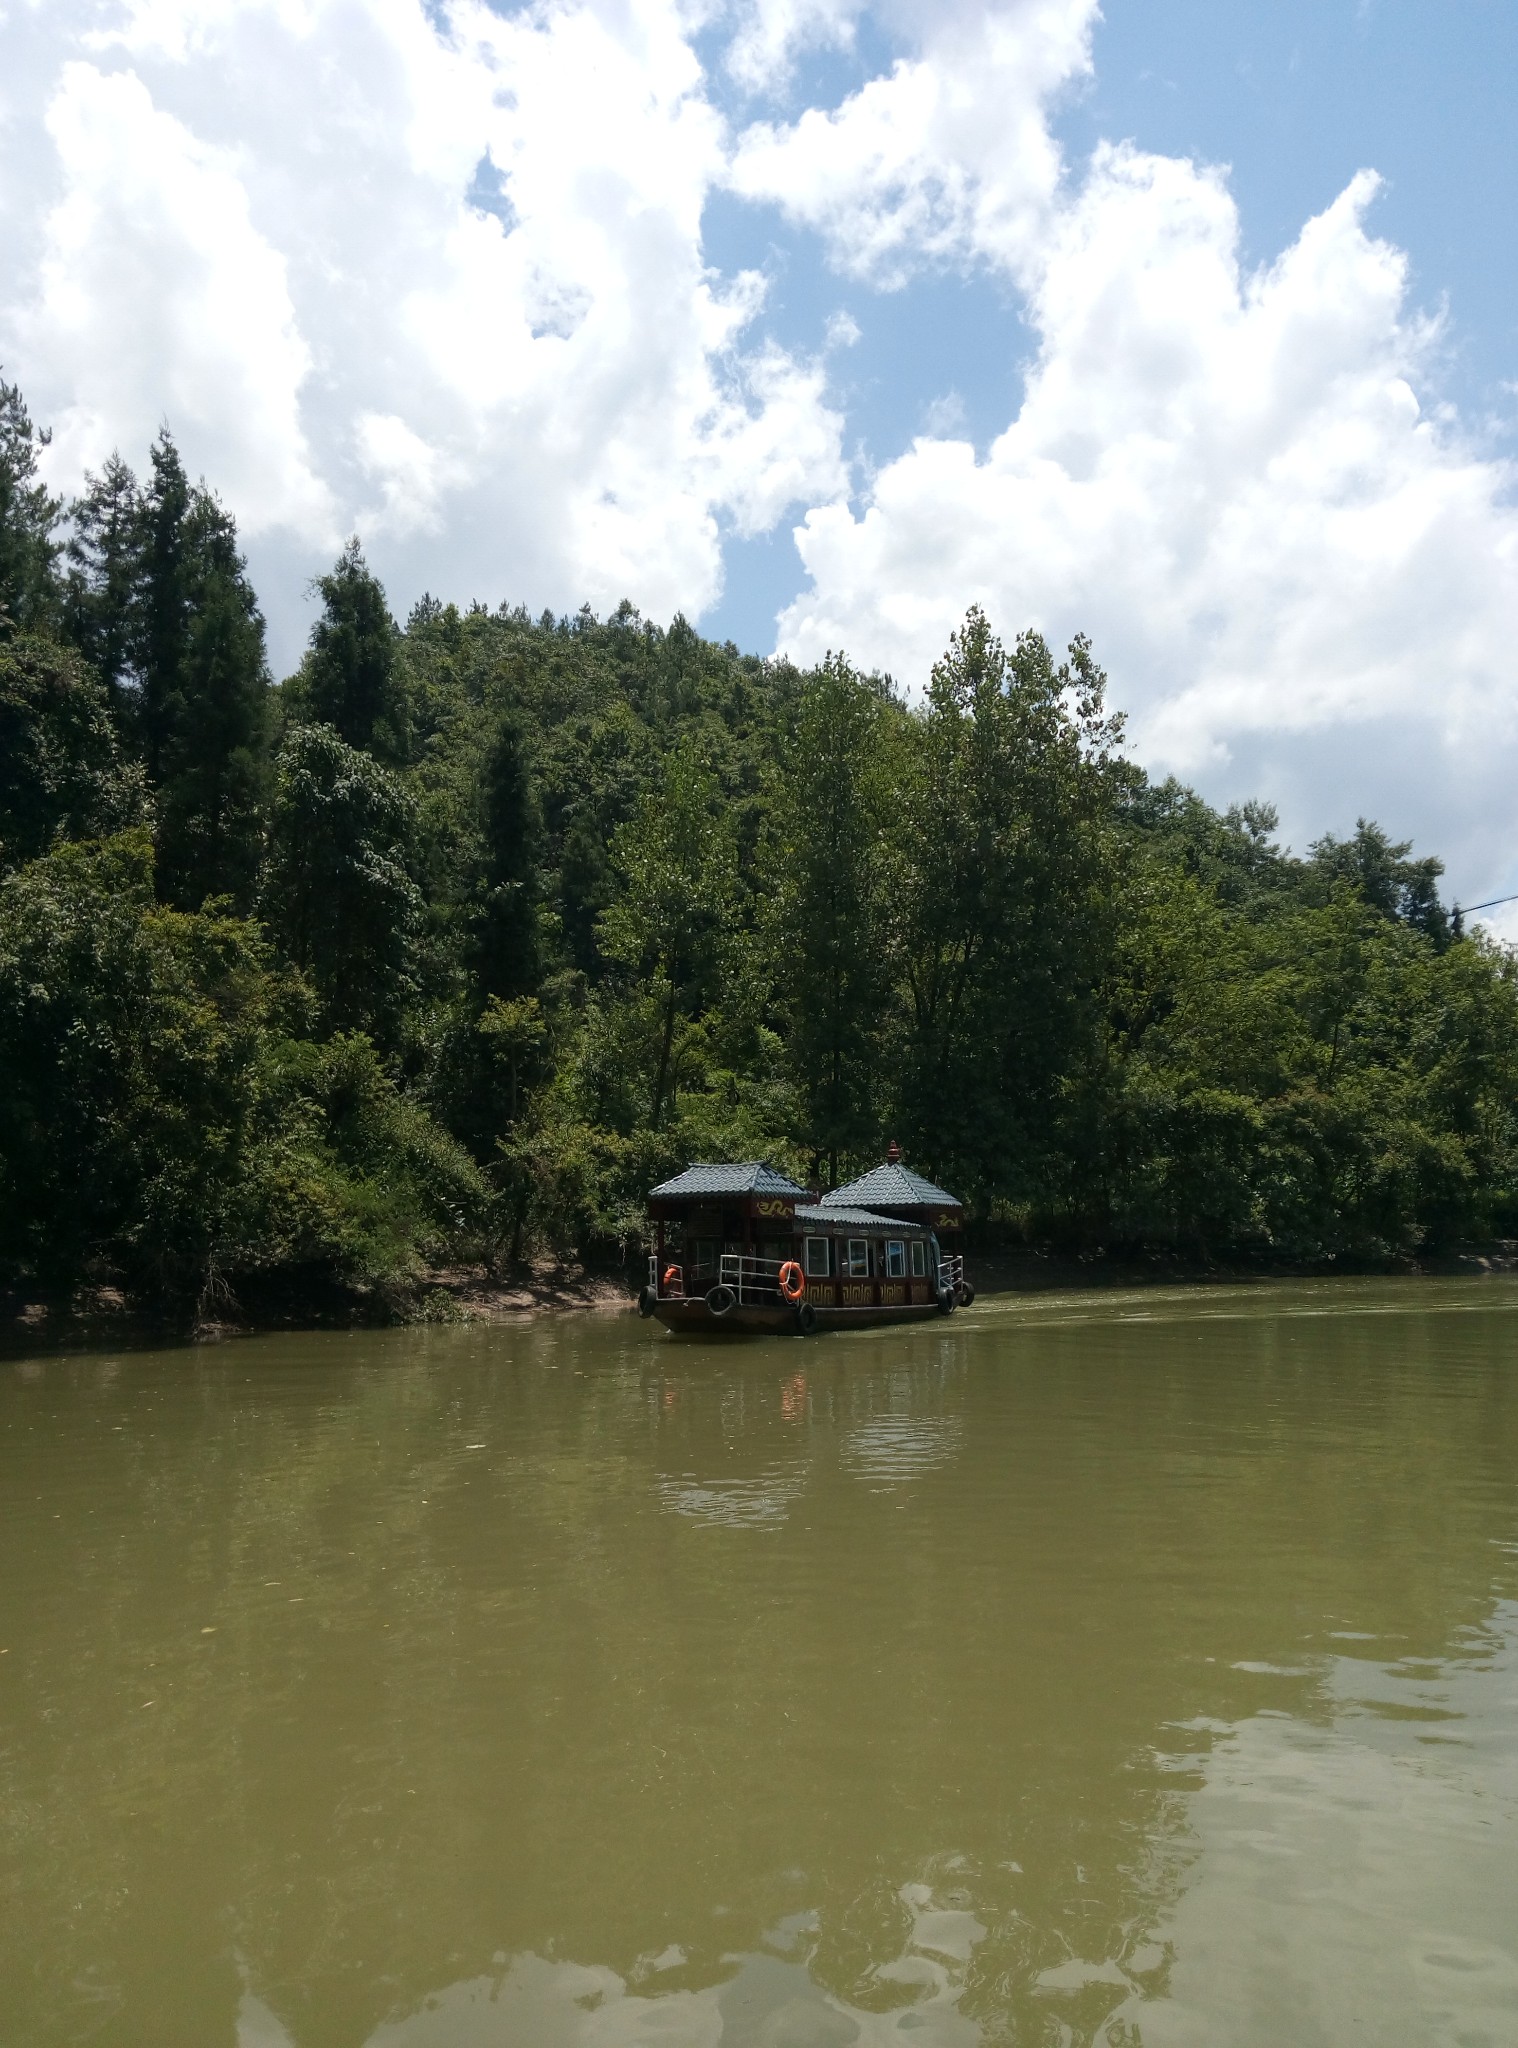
x=452, y=943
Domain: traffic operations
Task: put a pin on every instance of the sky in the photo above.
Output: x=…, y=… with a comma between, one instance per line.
x=1191, y=325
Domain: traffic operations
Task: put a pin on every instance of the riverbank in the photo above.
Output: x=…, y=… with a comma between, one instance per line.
x=103, y=1315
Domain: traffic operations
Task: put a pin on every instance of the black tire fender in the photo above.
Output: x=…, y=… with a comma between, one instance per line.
x=946, y=1301
x=721, y=1299
x=806, y=1319
x=646, y=1302
x=966, y=1294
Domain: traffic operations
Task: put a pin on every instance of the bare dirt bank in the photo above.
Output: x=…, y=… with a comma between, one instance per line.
x=103, y=1314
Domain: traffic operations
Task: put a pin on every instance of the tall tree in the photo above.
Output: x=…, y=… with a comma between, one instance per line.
x=105, y=559
x=508, y=957
x=350, y=678
x=339, y=892
x=676, y=858
x=585, y=886
x=61, y=771
x=163, y=612
x=830, y=958
x=127, y=1035
x=1001, y=904
x=215, y=755
x=1379, y=869
x=29, y=515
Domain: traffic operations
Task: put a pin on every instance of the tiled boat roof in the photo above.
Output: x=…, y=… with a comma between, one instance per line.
x=885, y=1187
x=830, y=1212
x=744, y=1177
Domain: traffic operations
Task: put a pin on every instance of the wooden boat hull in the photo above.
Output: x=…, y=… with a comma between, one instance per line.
x=693, y=1318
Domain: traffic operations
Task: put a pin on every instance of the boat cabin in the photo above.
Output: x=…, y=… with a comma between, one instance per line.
x=741, y=1245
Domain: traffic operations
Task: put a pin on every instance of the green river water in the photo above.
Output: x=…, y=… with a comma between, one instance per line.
x=1114, y=1669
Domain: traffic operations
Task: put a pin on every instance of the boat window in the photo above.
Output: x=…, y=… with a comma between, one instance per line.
x=919, y=1258
x=817, y=1257
x=896, y=1260
x=859, y=1255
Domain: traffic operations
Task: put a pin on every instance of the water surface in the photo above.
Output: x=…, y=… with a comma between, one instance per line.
x=1114, y=1669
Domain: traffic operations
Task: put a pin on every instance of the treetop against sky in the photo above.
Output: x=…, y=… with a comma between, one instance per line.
x=1190, y=327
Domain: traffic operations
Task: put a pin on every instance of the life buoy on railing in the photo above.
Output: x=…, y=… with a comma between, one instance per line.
x=792, y=1282
x=674, y=1278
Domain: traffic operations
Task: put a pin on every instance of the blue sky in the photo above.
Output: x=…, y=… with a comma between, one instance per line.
x=820, y=320
x=1295, y=97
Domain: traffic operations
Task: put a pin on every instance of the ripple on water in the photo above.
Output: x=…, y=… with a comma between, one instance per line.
x=757, y=1502
x=888, y=1449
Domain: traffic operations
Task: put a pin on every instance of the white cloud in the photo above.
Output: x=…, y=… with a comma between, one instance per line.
x=409, y=472
x=1227, y=479
x=251, y=217
x=946, y=158
x=770, y=33
x=157, y=295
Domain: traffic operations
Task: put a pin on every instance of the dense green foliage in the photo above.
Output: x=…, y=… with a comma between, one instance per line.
x=454, y=942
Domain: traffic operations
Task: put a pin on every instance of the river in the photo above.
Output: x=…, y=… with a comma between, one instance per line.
x=1120, y=1668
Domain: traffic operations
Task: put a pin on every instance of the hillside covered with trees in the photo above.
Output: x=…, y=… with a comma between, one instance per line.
x=453, y=942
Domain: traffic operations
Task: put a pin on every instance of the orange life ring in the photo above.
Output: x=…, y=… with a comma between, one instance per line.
x=673, y=1276
x=792, y=1284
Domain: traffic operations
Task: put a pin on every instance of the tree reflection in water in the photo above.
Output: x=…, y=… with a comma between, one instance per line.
x=1050, y=1675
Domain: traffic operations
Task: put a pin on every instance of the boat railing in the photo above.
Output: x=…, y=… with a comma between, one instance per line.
x=951, y=1270
x=751, y=1279
x=668, y=1285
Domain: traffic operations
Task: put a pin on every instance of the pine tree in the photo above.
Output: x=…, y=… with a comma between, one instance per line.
x=586, y=887
x=214, y=760
x=350, y=678
x=29, y=514
x=162, y=611
x=105, y=559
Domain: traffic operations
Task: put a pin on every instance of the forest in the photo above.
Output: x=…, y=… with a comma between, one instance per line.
x=447, y=946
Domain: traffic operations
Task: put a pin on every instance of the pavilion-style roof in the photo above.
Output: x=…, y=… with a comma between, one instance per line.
x=743, y=1177
x=886, y=1188
x=830, y=1212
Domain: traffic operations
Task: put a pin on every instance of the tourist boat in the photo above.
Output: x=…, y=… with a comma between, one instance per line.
x=738, y=1246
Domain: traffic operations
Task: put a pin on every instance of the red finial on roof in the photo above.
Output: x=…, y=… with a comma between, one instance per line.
x=893, y=1153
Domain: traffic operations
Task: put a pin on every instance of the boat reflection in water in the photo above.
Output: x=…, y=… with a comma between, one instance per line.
x=1097, y=1668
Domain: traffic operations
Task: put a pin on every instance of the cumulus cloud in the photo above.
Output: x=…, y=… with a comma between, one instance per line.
x=1228, y=479
x=947, y=157
x=770, y=33
x=431, y=273
x=157, y=294
x=435, y=271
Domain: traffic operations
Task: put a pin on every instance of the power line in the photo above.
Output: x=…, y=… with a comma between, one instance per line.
x=1490, y=904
